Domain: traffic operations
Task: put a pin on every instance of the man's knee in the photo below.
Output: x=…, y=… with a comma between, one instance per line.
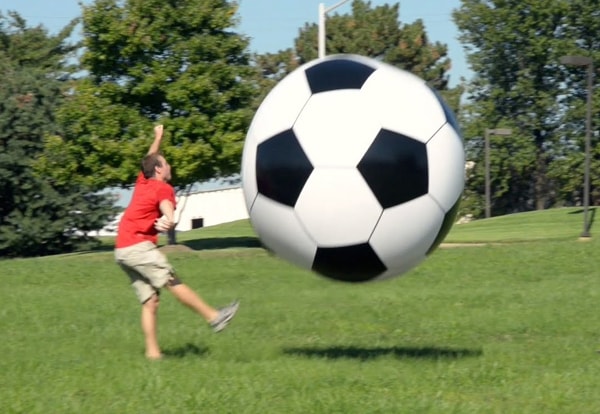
x=152, y=302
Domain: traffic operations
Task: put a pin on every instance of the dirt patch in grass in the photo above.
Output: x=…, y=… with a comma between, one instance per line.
x=449, y=245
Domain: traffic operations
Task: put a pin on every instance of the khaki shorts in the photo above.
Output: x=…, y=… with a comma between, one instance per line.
x=148, y=269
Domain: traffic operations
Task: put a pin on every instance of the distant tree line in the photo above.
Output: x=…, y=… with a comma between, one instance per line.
x=75, y=116
x=514, y=49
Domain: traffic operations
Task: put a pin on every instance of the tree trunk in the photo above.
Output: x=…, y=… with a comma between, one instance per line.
x=541, y=181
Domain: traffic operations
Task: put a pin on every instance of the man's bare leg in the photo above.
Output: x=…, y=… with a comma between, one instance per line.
x=184, y=294
x=148, y=320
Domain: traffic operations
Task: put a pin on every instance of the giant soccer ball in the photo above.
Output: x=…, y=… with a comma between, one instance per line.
x=353, y=168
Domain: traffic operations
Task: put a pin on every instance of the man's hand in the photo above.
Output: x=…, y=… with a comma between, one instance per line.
x=163, y=224
x=158, y=131
x=158, y=134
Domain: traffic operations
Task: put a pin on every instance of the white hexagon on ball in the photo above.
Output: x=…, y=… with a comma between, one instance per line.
x=327, y=134
x=447, y=162
x=281, y=231
x=406, y=232
x=328, y=224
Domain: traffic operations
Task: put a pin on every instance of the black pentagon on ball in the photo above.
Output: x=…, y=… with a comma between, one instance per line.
x=282, y=168
x=395, y=168
x=337, y=73
x=354, y=263
x=449, y=218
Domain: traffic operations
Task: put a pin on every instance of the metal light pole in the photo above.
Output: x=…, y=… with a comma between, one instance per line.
x=488, y=134
x=585, y=61
x=322, y=16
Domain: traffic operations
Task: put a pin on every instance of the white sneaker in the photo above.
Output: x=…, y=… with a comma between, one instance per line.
x=225, y=315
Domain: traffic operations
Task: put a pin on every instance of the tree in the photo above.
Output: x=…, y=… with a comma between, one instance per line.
x=176, y=62
x=37, y=216
x=374, y=32
x=514, y=48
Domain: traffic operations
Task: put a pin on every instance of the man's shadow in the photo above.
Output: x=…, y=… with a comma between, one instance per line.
x=364, y=353
x=217, y=243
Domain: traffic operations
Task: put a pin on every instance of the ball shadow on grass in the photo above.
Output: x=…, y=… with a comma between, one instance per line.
x=363, y=354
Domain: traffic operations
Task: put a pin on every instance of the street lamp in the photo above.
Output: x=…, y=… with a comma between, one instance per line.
x=585, y=61
x=488, y=134
x=322, y=15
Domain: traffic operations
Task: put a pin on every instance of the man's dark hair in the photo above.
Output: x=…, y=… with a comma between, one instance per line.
x=149, y=163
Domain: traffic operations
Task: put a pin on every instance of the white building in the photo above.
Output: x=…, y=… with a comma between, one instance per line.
x=208, y=208
x=199, y=209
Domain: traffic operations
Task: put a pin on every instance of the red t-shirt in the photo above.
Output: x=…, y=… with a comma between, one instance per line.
x=137, y=222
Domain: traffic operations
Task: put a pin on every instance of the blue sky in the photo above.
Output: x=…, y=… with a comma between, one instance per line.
x=273, y=24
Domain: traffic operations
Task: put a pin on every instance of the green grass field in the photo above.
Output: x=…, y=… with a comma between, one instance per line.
x=510, y=326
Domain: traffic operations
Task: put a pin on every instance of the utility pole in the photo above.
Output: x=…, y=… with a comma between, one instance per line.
x=322, y=17
x=589, y=63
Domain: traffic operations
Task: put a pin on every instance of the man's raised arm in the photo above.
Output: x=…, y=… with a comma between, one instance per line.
x=158, y=134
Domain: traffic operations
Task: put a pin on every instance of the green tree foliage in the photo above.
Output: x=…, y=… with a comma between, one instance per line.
x=582, y=34
x=374, y=32
x=37, y=215
x=514, y=48
x=177, y=62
